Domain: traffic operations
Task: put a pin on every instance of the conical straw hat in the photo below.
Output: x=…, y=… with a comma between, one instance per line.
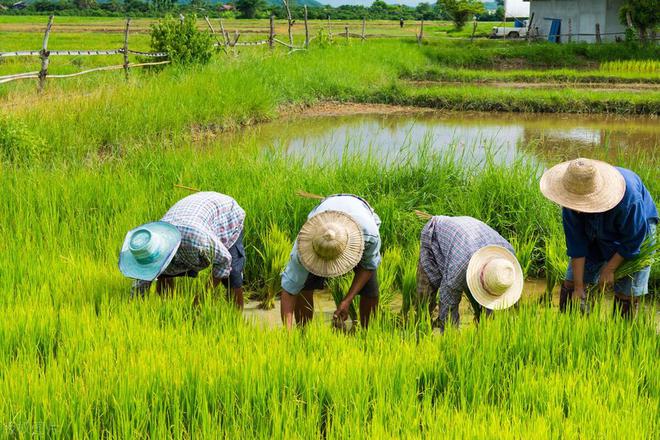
x=494, y=277
x=584, y=185
x=330, y=244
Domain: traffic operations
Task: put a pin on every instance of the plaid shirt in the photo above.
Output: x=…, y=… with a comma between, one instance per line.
x=210, y=223
x=447, y=244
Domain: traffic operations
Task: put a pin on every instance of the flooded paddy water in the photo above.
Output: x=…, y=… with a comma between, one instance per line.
x=389, y=134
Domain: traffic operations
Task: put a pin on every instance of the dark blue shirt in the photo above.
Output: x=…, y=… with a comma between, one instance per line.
x=622, y=229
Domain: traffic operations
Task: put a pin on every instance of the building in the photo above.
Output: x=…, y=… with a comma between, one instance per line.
x=578, y=17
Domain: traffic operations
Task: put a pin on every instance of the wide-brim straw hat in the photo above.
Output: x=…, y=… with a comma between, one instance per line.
x=330, y=244
x=494, y=277
x=584, y=185
x=148, y=250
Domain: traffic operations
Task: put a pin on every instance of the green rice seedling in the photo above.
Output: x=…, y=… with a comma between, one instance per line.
x=274, y=256
x=632, y=66
x=408, y=281
x=388, y=276
x=525, y=250
x=556, y=263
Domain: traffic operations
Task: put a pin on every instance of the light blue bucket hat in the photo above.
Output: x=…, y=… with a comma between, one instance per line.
x=148, y=250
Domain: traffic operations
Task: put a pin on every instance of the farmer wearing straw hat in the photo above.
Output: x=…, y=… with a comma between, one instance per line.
x=340, y=235
x=607, y=214
x=201, y=230
x=463, y=254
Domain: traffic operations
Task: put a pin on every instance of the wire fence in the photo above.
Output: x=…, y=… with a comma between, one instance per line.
x=229, y=42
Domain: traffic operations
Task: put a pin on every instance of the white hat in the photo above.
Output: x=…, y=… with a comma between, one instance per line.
x=494, y=277
x=584, y=185
x=330, y=244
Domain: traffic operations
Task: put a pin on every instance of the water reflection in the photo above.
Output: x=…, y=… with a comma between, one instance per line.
x=388, y=137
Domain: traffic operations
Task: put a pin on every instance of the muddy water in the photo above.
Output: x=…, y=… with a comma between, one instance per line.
x=324, y=306
x=388, y=136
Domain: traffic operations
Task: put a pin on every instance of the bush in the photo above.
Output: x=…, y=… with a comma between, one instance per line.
x=17, y=144
x=181, y=39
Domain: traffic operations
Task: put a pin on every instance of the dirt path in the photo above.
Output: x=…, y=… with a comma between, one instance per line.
x=629, y=87
x=335, y=108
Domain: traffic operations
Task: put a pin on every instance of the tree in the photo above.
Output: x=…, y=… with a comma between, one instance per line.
x=644, y=15
x=460, y=11
x=84, y=4
x=163, y=5
x=181, y=40
x=425, y=10
x=250, y=8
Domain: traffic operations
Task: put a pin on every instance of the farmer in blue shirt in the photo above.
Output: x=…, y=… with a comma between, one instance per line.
x=607, y=214
x=340, y=235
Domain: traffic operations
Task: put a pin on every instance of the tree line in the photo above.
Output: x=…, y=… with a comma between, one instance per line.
x=378, y=10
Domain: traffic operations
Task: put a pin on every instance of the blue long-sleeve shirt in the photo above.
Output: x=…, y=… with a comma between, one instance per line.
x=620, y=230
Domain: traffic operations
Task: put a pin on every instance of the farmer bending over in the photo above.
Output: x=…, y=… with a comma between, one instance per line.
x=607, y=214
x=201, y=230
x=463, y=254
x=341, y=234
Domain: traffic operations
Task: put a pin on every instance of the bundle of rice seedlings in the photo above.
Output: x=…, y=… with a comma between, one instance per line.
x=338, y=288
x=274, y=256
x=649, y=254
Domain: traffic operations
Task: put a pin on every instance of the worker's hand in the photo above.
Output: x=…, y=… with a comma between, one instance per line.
x=579, y=293
x=606, y=278
x=342, y=311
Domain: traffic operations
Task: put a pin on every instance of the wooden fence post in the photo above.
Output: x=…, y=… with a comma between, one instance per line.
x=125, y=49
x=288, y=15
x=598, y=39
x=217, y=40
x=271, y=32
x=364, y=28
x=329, y=28
x=421, y=32
x=225, y=36
x=474, y=30
x=529, y=27
x=306, y=28
x=44, y=55
x=570, y=30
x=346, y=32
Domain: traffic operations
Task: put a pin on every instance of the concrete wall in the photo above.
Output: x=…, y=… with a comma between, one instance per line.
x=583, y=14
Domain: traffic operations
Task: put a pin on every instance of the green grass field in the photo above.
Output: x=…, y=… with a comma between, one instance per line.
x=92, y=157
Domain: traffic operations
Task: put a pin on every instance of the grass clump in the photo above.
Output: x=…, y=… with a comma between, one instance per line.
x=18, y=145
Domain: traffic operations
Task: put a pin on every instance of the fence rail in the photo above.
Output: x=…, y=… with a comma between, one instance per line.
x=227, y=42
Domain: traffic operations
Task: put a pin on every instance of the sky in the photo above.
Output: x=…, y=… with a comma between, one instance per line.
x=514, y=7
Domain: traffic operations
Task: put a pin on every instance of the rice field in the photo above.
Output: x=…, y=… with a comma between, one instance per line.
x=79, y=357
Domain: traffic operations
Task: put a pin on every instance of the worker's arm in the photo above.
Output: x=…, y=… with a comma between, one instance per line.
x=362, y=276
x=293, y=280
x=607, y=272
